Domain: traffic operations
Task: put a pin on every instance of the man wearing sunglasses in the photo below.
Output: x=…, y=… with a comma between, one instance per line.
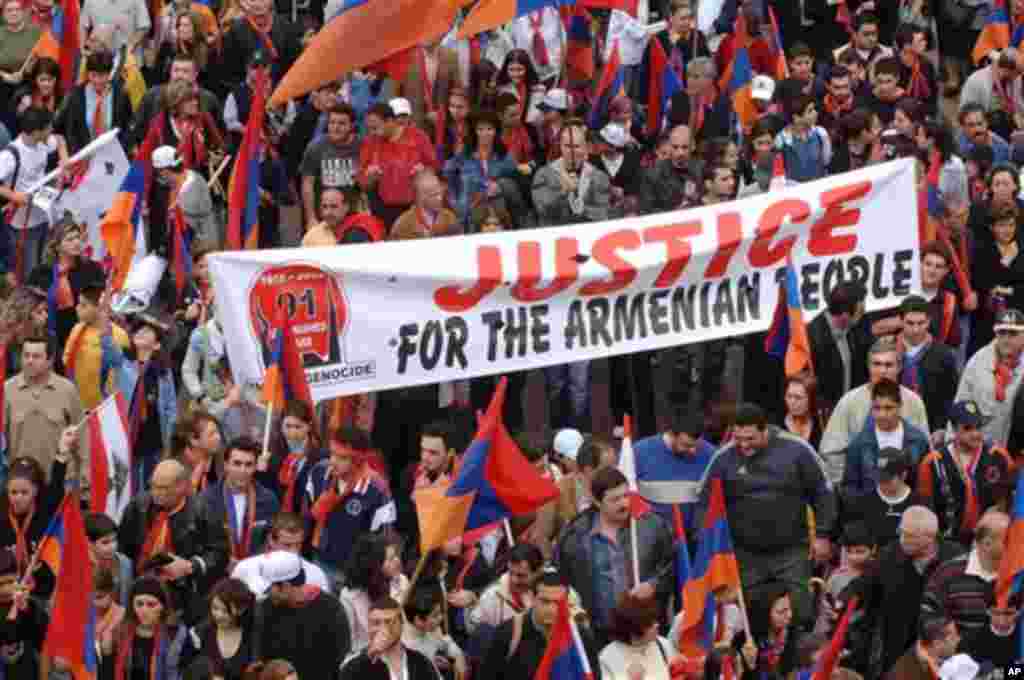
x=993, y=375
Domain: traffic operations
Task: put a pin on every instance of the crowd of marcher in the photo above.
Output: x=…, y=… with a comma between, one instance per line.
x=884, y=478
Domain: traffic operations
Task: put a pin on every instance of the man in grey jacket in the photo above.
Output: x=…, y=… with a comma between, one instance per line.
x=594, y=554
x=769, y=478
x=570, y=190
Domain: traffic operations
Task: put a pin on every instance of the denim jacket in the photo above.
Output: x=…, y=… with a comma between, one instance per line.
x=466, y=178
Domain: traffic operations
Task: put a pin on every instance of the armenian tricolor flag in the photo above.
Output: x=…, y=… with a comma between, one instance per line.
x=738, y=75
x=787, y=337
x=72, y=631
x=662, y=84
x=611, y=85
x=715, y=567
x=494, y=482
x=244, y=187
x=995, y=35
x=490, y=14
x=565, y=657
x=285, y=378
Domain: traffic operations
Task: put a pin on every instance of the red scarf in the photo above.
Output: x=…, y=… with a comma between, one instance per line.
x=1004, y=96
x=241, y=540
x=961, y=263
x=836, y=108
x=21, y=530
x=199, y=473
x=158, y=538
x=41, y=102
x=288, y=475
x=262, y=30
x=126, y=647
x=918, y=86
x=425, y=226
x=518, y=143
x=971, y=509
x=1004, y=376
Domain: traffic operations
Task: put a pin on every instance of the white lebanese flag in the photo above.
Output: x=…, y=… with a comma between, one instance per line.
x=111, y=453
x=627, y=465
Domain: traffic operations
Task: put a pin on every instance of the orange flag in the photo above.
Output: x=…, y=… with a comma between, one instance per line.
x=362, y=36
x=47, y=46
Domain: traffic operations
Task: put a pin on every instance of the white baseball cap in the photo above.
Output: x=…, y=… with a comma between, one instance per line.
x=959, y=667
x=400, y=107
x=555, y=99
x=567, y=443
x=165, y=157
x=762, y=87
x=279, y=566
x=615, y=134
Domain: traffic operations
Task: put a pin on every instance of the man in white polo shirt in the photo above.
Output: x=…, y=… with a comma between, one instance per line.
x=22, y=165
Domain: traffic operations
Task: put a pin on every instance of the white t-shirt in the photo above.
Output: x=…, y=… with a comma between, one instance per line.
x=31, y=169
x=892, y=439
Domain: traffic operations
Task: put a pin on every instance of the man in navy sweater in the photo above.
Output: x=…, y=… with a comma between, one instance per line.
x=670, y=465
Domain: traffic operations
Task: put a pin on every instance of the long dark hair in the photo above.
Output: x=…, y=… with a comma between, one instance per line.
x=519, y=57
x=485, y=118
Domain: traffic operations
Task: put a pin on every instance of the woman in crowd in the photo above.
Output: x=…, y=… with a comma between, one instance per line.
x=771, y=622
x=294, y=452
x=480, y=172
x=226, y=636
x=26, y=507
x=189, y=38
x=636, y=643
x=148, y=639
x=370, y=574
x=43, y=87
x=998, y=268
x=518, y=77
x=66, y=271
x=803, y=416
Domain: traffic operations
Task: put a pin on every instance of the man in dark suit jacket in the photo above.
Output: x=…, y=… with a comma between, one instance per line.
x=840, y=368
x=259, y=29
x=442, y=65
x=100, y=93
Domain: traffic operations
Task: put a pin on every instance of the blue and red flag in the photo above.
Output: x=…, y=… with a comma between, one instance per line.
x=662, y=84
x=72, y=631
x=995, y=34
x=181, y=253
x=490, y=14
x=715, y=567
x=285, y=378
x=70, y=43
x=494, y=482
x=611, y=85
x=682, y=555
x=787, y=337
x=738, y=76
x=565, y=657
x=775, y=45
x=579, y=44
x=244, y=186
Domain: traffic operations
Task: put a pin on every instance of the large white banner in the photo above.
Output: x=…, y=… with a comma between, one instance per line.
x=378, y=316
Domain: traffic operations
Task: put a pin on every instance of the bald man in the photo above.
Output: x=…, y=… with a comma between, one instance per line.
x=961, y=587
x=427, y=217
x=893, y=592
x=168, y=530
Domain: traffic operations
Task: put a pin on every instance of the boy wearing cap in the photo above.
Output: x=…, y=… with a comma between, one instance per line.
x=553, y=107
x=993, y=375
x=190, y=191
x=299, y=623
x=621, y=162
x=965, y=477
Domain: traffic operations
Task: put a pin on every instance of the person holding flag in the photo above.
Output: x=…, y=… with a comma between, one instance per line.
x=600, y=538
x=769, y=528
x=522, y=645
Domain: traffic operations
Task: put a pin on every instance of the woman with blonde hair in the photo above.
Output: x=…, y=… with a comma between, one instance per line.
x=66, y=271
